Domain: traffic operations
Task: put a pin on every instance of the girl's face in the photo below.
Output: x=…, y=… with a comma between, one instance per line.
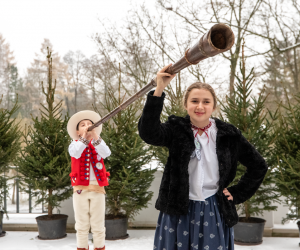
x=200, y=105
x=83, y=125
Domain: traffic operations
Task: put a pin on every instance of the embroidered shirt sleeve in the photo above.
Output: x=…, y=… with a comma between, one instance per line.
x=97, y=142
x=83, y=140
x=102, y=150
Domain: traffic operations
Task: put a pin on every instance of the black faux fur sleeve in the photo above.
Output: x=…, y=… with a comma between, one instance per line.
x=151, y=130
x=255, y=173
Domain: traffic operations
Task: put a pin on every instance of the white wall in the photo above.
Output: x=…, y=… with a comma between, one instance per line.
x=147, y=217
x=282, y=210
x=67, y=208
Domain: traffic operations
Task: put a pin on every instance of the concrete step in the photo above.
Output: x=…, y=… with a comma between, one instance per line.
x=268, y=232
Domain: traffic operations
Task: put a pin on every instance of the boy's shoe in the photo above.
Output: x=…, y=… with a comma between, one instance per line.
x=102, y=248
x=83, y=248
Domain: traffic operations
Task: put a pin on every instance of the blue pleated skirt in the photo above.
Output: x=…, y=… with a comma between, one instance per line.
x=202, y=228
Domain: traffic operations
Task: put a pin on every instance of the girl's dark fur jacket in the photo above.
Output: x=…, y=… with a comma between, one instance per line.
x=231, y=147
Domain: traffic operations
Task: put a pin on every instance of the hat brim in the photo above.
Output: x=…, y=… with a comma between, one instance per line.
x=79, y=116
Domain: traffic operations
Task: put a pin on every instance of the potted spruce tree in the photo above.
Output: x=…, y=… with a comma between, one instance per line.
x=129, y=181
x=9, y=148
x=44, y=164
x=249, y=116
x=287, y=154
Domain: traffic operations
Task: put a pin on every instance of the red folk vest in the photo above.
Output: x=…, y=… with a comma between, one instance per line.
x=81, y=168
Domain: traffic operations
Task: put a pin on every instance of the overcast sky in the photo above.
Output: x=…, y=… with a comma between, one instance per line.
x=69, y=24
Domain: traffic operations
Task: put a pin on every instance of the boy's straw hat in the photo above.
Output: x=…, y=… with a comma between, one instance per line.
x=79, y=116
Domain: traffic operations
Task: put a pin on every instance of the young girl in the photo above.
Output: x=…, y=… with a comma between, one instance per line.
x=197, y=211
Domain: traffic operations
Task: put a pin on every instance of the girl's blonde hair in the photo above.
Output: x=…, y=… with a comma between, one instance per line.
x=199, y=85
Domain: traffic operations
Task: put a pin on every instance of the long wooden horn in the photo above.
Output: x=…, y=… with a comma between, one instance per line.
x=218, y=39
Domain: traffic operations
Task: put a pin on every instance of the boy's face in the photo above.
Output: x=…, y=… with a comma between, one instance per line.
x=83, y=125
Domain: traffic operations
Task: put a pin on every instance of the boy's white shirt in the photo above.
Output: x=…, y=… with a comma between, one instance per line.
x=76, y=148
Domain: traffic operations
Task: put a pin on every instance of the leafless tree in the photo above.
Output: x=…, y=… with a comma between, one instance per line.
x=198, y=17
x=7, y=62
x=75, y=60
x=282, y=24
x=127, y=47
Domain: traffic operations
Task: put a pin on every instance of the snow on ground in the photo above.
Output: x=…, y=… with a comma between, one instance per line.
x=138, y=239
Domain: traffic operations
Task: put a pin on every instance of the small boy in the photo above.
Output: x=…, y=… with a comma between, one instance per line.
x=88, y=178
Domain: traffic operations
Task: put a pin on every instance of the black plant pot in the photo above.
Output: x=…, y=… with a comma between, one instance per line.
x=249, y=233
x=116, y=229
x=52, y=227
x=2, y=233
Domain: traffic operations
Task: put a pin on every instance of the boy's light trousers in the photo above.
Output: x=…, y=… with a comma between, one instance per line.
x=89, y=209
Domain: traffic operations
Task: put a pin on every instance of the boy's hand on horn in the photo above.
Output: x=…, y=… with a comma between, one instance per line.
x=94, y=134
x=162, y=80
x=90, y=134
x=85, y=133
